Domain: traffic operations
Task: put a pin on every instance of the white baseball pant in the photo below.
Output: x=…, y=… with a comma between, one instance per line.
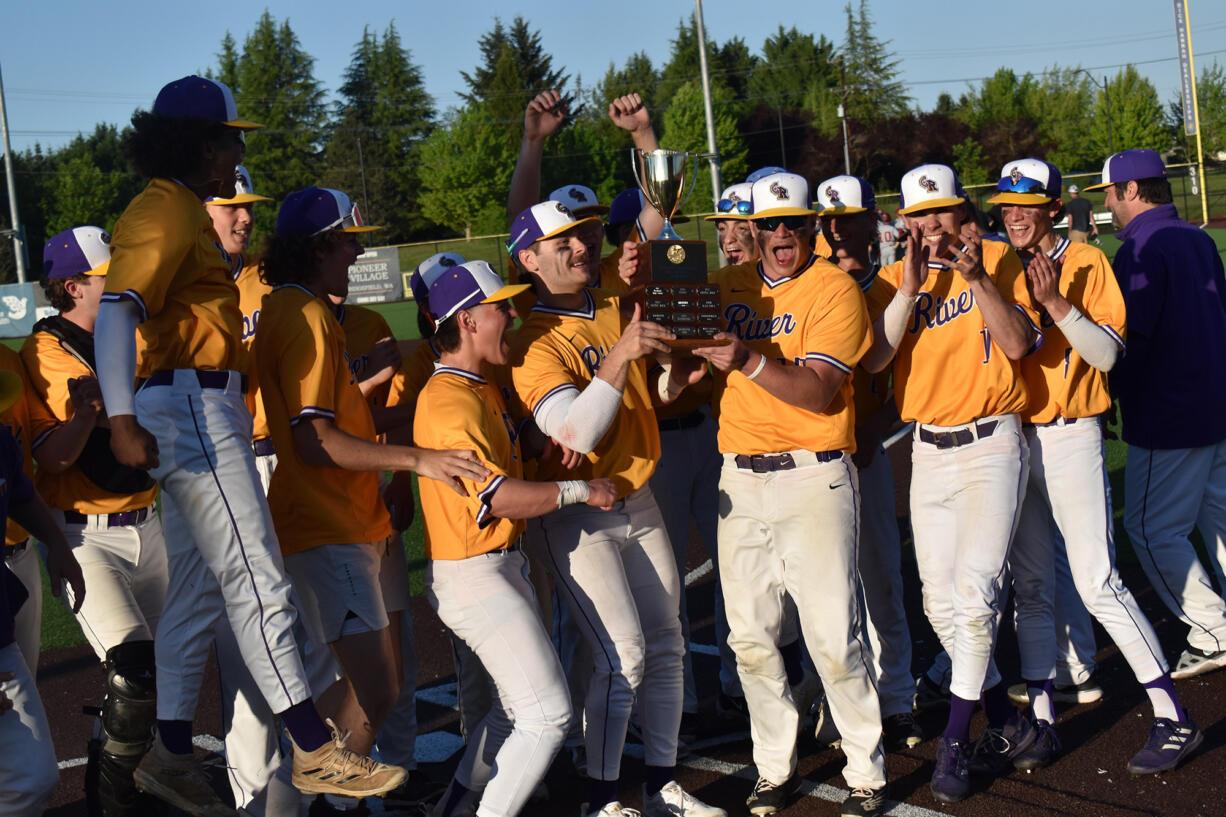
x=28, y=622
x=1075, y=639
x=1069, y=485
x=28, y=771
x=686, y=486
x=1167, y=493
x=615, y=570
x=965, y=502
x=793, y=533
x=223, y=557
x=488, y=602
x=880, y=564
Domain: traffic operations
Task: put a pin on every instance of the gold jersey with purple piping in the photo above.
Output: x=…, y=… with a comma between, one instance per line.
x=167, y=259
x=251, y=292
x=50, y=366
x=948, y=370
x=557, y=350
x=816, y=314
x=463, y=410
x=364, y=327
x=304, y=374
x=1060, y=383
x=415, y=369
x=20, y=419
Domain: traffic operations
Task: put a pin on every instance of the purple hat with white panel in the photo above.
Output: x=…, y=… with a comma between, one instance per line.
x=467, y=285
x=316, y=210
x=429, y=271
x=1028, y=181
x=200, y=98
x=79, y=251
x=244, y=193
x=762, y=172
x=581, y=200
x=1130, y=166
x=626, y=206
x=541, y=221
x=845, y=195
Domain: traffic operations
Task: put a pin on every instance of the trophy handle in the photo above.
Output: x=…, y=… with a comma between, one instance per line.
x=693, y=180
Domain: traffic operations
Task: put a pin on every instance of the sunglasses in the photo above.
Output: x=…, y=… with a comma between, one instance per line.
x=771, y=223
x=352, y=219
x=744, y=208
x=1022, y=185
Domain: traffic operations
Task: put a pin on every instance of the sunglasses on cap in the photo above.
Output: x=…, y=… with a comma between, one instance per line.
x=771, y=223
x=352, y=219
x=1022, y=185
x=745, y=208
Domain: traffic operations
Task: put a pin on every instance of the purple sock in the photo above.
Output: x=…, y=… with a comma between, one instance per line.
x=305, y=726
x=657, y=777
x=600, y=794
x=960, y=711
x=793, y=663
x=176, y=736
x=1162, y=696
x=997, y=706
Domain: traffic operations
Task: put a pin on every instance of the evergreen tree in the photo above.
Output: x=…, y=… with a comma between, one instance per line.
x=793, y=65
x=874, y=89
x=514, y=68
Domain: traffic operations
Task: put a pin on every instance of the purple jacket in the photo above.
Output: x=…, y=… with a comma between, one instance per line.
x=1171, y=382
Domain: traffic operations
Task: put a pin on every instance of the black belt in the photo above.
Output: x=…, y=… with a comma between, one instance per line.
x=113, y=520
x=1068, y=421
x=954, y=439
x=765, y=463
x=263, y=447
x=208, y=379
x=691, y=420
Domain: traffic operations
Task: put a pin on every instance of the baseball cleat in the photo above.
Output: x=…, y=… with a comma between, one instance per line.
x=614, y=809
x=334, y=769
x=732, y=707
x=1195, y=662
x=951, y=781
x=767, y=798
x=1169, y=743
x=674, y=801
x=994, y=752
x=180, y=781
x=864, y=802
x=901, y=731
x=1042, y=752
x=1087, y=692
x=929, y=695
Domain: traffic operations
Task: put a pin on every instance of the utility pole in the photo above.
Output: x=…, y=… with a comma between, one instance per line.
x=18, y=232
x=843, y=115
x=1107, y=104
x=712, y=149
x=362, y=167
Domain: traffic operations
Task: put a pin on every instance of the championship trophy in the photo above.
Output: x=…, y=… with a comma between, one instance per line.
x=678, y=296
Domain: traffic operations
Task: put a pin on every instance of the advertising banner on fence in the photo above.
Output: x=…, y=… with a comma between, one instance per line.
x=17, y=310
x=375, y=278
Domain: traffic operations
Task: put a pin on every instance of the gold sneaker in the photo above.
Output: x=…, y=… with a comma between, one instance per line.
x=179, y=781
x=333, y=769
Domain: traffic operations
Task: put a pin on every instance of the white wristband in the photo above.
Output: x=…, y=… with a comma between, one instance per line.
x=757, y=370
x=572, y=492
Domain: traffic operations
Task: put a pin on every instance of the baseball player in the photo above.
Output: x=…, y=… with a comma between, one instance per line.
x=731, y=217
x=476, y=578
x=576, y=364
x=189, y=425
x=795, y=326
x=887, y=239
x=957, y=324
x=848, y=218
x=105, y=510
x=1171, y=277
x=28, y=772
x=1082, y=315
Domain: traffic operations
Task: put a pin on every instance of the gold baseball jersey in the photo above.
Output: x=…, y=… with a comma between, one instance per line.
x=364, y=327
x=251, y=292
x=462, y=410
x=871, y=391
x=816, y=314
x=607, y=271
x=559, y=349
x=166, y=257
x=17, y=418
x=948, y=370
x=1060, y=383
x=304, y=374
x=415, y=369
x=50, y=366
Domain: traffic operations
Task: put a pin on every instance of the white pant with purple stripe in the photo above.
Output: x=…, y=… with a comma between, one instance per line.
x=223, y=554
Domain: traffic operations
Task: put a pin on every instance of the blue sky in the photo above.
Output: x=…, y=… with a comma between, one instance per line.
x=69, y=65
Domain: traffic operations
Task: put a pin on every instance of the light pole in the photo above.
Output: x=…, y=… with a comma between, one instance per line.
x=1107, y=103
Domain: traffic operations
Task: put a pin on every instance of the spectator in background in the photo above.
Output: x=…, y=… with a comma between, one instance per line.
x=887, y=239
x=1080, y=216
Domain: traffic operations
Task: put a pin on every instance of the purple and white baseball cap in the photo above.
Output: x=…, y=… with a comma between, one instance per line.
x=79, y=251
x=467, y=285
x=200, y=98
x=735, y=203
x=581, y=200
x=316, y=210
x=244, y=193
x=429, y=271
x=541, y=221
x=928, y=187
x=1027, y=181
x=626, y=206
x=1130, y=166
x=763, y=172
x=780, y=194
x=845, y=195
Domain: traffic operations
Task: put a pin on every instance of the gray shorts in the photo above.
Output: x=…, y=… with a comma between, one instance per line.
x=338, y=589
